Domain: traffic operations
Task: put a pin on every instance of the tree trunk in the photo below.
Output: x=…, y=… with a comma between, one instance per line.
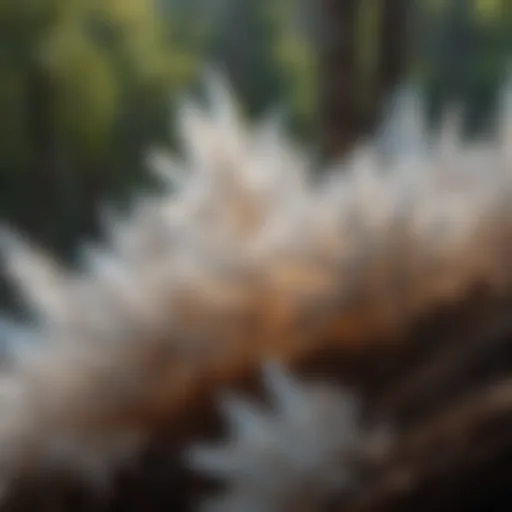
x=339, y=114
x=342, y=117
x=393, y=54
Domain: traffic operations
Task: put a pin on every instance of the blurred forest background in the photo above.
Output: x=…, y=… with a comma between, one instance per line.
x=87, y=86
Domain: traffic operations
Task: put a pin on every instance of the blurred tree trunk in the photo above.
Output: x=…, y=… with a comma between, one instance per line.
x=339, y=116
x=393, y=53
x=342, y=116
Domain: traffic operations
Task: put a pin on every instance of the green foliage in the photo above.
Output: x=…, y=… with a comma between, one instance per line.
x=85, y=84
x=85, y=108
x=295, y=55
x=465, y=51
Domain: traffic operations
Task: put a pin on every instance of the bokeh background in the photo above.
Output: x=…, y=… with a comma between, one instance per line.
x=88, y=86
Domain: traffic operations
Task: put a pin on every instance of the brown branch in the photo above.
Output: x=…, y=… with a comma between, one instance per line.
x=444, y=449
x=456, y=357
